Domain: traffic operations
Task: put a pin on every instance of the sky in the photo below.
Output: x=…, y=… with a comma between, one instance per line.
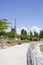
x=28, y=13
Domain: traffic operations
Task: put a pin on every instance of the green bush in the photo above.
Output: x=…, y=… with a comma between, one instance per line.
x=11, y=34
x=30, y=38
x=22, y=37
x=34, y=39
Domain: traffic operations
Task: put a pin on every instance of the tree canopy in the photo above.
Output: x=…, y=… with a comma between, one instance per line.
x=41, y=34
x=3, y=24
x=24, y=32
x=11, y=33
x=35, y=34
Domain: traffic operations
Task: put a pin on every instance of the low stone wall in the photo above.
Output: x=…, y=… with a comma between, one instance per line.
x=34, y=58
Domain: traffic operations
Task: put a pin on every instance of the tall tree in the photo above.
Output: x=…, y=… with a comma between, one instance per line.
x=3, y=24
x=31, y=33
x=35, y=34
x=41, y=34
x=24, y=32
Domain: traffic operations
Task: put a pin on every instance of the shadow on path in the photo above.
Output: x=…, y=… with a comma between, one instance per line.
x=29, y=62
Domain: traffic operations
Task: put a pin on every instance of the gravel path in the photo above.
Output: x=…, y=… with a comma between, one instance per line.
x=15, y=55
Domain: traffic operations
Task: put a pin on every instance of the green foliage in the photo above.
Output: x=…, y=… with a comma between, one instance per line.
x=28, y=37
x=34, y=39
x=10, y=34
x=2, y=33
x=22, y=37
x=24, y=32
x=35, y=34
x=18, y=36
x=3, y=24
x=41, y=34
x=31, y=36
x=13, y=30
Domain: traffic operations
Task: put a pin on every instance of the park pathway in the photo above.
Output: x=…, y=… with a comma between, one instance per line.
x=14, y=55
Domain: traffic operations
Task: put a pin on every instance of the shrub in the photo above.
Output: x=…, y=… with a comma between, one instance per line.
x=34, y=39
x=11, y=34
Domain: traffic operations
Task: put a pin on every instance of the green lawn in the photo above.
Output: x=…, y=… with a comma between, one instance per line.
x=41, y=48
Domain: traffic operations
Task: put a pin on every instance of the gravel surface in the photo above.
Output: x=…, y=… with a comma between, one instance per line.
x=15, y=55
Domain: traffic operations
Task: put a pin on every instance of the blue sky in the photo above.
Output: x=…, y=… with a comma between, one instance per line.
x=28, y=13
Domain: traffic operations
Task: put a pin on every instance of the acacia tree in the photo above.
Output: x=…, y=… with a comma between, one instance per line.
x=4, y=24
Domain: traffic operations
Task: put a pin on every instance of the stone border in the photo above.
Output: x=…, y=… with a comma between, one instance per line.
x=34, y=58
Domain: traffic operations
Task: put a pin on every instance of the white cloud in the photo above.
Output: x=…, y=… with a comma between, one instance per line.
x=25, y=29
x=35, y=28
x=19, y=30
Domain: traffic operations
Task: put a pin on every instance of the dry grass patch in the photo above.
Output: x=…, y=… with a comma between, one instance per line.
x=32, y=46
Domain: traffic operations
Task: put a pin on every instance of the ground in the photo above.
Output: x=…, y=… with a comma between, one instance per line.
x=38, y=51
x=14, y=55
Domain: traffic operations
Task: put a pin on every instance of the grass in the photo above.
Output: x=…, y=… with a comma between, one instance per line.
x=41, y=47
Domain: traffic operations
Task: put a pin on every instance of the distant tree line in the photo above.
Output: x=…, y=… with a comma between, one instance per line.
x=4, y=24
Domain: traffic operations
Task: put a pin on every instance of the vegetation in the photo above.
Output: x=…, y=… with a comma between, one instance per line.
x=35, y=39
x=23, y=37
x=11, y=33
x=41, y=34
x=41, y=47
x=11, y=42
x=31, y=36
x=3, y=24
x=23, y=32
x=35, y=34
